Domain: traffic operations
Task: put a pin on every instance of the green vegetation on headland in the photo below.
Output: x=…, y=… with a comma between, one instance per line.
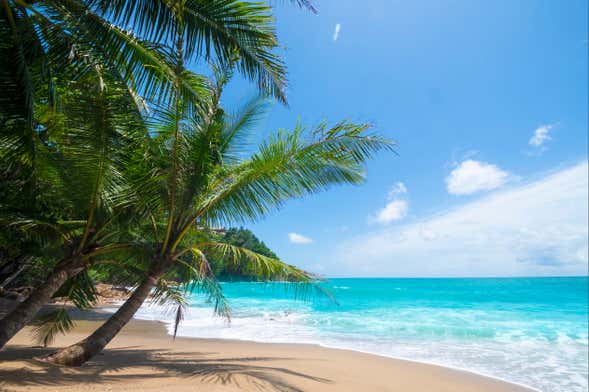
x=117, y=159
x=243, y=238
x=239, y=237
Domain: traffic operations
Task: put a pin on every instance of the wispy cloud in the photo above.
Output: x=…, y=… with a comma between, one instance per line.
x=540, y=137
x=398, y=189
x=472, y=176
x=539, y=228
x=296, y=238
x=396, y=208
x=336, y=31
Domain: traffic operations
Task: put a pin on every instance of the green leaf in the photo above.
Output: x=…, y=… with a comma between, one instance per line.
x=47, y=326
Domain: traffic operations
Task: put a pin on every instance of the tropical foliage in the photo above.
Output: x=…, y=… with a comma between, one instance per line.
x=116, y=157
x=67, y=67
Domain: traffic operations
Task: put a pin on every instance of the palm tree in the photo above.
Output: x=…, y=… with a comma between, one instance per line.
x=40, y=39
x=82, y=163
x=207, y=183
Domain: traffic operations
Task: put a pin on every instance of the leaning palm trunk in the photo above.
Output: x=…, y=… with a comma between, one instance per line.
x=26, y=311
x=22, y=265
x=78, y=353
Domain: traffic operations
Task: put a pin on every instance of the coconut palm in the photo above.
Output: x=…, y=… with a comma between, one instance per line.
x=38, y=38
x=81, y=162
x=206, y=182
x=41, y=40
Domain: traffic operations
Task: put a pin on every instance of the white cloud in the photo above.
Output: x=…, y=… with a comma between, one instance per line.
x=473, y=176
x=535, y=229
x=541, y=135
x=398, y=189
x=336, y=31
x=393, y=211
x=296, y=238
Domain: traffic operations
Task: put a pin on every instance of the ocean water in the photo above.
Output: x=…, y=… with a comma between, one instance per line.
x=532, y=331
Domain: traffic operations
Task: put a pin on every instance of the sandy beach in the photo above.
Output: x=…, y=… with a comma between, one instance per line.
x=144, y=358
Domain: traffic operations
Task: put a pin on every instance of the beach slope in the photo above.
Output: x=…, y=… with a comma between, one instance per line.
x=144, y=358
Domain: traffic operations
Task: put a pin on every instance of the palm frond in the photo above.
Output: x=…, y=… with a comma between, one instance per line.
x=198, y=277
x=306, y=4
x=172, y=295
x=220, y=29
x=303, y=284
x=288, y=165
x=80, y=290
x=34, y=226
x=238, y=128
x=47, y=326
x=256, y=265
x=246, y=29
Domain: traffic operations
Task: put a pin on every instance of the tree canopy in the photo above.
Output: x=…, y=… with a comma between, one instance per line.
x=118, y=162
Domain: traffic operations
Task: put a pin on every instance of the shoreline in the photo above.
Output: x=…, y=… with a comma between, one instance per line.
x=327, y=346
x=456, y=368
x=102, y=309
x=144, y=347
x=335, y=347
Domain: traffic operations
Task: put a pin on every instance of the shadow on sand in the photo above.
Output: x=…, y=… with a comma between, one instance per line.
x=247, y=373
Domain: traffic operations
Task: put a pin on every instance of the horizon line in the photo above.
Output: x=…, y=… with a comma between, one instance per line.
x=458, y=277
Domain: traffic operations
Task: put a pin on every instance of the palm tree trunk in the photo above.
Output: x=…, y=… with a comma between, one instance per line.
x=77, y=354
x=27, y=310
x=22, y=265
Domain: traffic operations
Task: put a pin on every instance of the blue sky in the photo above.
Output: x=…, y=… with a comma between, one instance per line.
x=487, y=101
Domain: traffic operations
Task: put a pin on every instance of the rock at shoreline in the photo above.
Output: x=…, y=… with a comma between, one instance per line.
x=108, y=293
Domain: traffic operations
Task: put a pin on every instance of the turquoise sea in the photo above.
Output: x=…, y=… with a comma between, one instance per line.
x=532, y=331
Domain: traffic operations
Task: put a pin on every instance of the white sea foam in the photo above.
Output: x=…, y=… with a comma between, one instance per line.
x=509, y=351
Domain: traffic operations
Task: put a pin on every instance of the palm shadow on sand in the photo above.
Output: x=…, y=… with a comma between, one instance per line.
x=248, y=373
